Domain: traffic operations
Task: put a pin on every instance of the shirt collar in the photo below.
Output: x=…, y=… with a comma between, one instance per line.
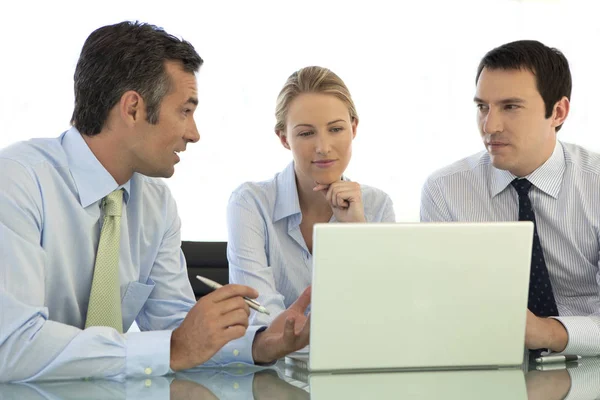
x=286, y=202
x=548, y=177
x=93, y=181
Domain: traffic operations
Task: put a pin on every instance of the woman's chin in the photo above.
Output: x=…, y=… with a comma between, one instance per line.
x=326, y=178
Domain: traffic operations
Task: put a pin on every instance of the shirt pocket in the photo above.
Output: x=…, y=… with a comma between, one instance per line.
x=133, y=300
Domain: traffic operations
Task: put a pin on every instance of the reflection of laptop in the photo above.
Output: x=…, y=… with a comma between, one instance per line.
x=447, y=385
x=414, y=296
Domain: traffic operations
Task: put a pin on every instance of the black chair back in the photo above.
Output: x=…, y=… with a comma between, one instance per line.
x=208, y=259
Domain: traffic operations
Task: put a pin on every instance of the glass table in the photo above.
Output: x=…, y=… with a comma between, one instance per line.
x=284, y=381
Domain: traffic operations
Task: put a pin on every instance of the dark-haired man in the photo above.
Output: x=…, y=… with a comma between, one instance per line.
x=522, y=98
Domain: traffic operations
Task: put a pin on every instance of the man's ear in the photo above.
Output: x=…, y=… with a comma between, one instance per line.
x=131, y=107
x=560, y=112
x=283, y=139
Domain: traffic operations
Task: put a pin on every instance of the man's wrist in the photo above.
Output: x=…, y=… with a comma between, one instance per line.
x=177, y=362
x=256, y=356
x=559, y=337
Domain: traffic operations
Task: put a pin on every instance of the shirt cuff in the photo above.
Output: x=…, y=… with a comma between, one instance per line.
x=237, y=351
x=148, y=353
x=584, y=336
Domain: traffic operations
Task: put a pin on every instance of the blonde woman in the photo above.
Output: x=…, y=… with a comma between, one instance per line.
x=270, y=223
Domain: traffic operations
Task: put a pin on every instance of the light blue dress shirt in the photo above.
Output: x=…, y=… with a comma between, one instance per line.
x=566, y=200
x=266, y=249
x=50, y=221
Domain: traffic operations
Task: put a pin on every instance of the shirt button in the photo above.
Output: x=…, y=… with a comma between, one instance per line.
x=236, y=352
x=148, y=371
x=148, y=382
x=236, y=385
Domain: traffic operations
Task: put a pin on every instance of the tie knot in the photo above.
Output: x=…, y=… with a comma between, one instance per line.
x=113, y=203
x=522, y=186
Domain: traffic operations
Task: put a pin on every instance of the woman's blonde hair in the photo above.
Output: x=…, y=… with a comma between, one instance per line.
x=311, y=80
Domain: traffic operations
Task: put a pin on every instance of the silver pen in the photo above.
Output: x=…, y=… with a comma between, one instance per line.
x=255, y=305
x=556, y=366
x=556, y=359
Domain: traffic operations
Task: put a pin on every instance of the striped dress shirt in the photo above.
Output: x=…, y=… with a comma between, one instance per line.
x=566, y=199
x=266, y=249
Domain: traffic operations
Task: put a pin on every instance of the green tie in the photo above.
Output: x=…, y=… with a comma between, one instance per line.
x=104, y=308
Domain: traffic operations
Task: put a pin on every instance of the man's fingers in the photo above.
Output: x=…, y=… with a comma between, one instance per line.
x=233, y=332
x=303, y=336
x=289, y=330
x=303, y=330
x=234, y=318
x=229, y=291
x=303, y=301
x=234, y=303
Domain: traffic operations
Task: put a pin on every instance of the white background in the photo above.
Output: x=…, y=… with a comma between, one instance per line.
x=410, y=66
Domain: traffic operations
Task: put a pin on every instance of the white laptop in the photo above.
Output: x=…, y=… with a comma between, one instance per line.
x=419, y=296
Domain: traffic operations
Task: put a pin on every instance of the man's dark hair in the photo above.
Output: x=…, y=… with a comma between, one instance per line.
x=549, y=66
x=122, y=57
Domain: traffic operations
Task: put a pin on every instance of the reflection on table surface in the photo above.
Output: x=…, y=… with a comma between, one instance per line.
x=421, y=385
x=574, y=381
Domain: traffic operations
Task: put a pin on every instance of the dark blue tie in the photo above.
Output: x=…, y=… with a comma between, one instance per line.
x=541, y=297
